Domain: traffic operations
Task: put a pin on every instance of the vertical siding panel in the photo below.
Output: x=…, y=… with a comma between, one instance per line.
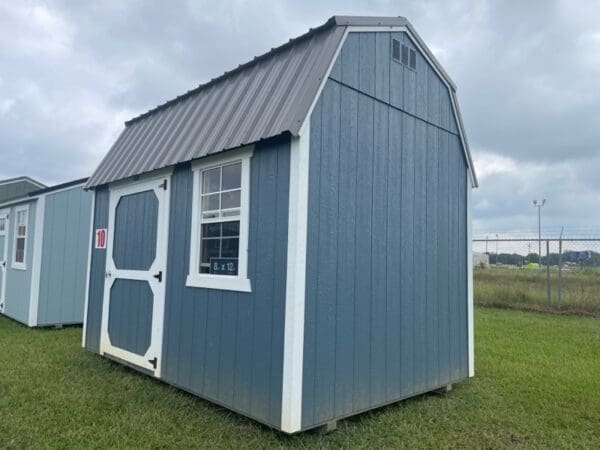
x=407, y=287
x=443, y=238
x=366, y=58
x=364, y=204
x=350, y=60
x=463, y=274
x=213, y=341
x=397, y=78
x=344, y=342
x=263, y=288
x=382, y=66
x=279, y=284
x=227, y=353
x=433, y=293
x=327, y=255
x=309, y=375
x=97, y=270
x=393, y=317
x=422, y=92
x=454, y=262
x=433, y=97
x=445, y=107
x=379, y=246
x=420, y=239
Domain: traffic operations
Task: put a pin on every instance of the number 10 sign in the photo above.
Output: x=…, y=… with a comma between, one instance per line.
x=100, y=238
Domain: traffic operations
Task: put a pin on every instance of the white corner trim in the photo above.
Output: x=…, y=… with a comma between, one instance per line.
x=36, y=263
x=291, y=408
x=88, y=270
x=470, y=284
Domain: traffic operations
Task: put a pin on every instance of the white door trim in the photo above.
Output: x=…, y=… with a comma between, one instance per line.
x=5, y=213
x=159, y=264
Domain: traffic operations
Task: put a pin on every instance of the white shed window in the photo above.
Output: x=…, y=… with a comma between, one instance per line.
x=20, y=244
x=219, y=241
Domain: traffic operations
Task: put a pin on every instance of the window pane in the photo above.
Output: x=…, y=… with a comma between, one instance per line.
x=232, y=176
x=211, y=180
x=20, y=250
x=210, y=202
x=210, y=249
x=231, y=228
x=229, y=248
x=21, y=230
x=211, y=230
x=2, y=224
x=230, y=200
x=231, y=213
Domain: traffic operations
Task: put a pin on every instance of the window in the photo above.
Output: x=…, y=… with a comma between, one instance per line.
x=413, y=59
x=2, y=226
x=405, y=55
x=20, y=244
x=218, y=254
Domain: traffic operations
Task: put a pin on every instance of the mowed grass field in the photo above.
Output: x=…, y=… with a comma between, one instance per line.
x=528, y=289
x=537, y=385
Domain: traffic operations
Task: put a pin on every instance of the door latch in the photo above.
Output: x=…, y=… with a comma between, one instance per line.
x=158, y=276
x=153, y=362
x=3, y=263
x=163, y=185
x=107, y=275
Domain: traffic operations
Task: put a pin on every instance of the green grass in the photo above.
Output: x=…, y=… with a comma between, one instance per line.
x=537, y=384
x=528, y=289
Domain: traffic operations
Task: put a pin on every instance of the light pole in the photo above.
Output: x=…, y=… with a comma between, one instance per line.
x=539, y=206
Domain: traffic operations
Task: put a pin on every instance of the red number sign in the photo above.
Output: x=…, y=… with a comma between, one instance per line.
x=101, y=238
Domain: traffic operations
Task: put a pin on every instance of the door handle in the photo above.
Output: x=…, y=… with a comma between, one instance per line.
x=158, y=276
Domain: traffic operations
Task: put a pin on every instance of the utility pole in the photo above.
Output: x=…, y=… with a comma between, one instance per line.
x=539, y=206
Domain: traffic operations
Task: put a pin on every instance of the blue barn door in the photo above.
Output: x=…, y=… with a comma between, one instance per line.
x=134, y=289
x=3, y=254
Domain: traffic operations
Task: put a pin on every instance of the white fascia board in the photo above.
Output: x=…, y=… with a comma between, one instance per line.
x=291, y=407
x=470, y=318
x=36, y=262
x=88, y=270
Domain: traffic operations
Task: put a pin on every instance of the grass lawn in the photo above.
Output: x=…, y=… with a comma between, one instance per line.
x=537, y=385
x=528, y=289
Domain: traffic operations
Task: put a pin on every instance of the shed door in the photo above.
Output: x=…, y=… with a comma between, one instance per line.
x=134, y=288
x=3, y=254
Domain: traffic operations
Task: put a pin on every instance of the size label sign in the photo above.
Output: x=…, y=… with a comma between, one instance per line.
x=100, y=238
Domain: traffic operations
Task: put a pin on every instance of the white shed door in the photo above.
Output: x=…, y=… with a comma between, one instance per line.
x=134, y=288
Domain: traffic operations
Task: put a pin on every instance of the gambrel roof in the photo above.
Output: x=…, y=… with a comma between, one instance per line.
x=265, y=97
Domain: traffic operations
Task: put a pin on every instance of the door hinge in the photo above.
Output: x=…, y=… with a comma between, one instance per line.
x=163, y=185
x=153, y=362
x=158, y=276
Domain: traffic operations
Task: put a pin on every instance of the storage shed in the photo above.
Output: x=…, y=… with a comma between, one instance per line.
x=44, y=242
x=291, y=239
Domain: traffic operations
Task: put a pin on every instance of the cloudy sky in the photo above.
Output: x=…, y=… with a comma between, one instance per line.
x=528, y=76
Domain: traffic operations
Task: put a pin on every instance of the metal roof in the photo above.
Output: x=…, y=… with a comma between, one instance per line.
x=265, y=97
x=22, y=178
x=56, y=187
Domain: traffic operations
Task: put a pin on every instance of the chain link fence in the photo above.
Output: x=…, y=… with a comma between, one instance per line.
x=561, y=274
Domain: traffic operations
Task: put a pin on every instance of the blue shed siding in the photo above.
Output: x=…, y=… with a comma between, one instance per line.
x=228, y=346
x=221, y=345
x=64, y=257
x=97, y=271
x=18, y=282
x=386, y=294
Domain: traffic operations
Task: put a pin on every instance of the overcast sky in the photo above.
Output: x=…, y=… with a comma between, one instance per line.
x=528, y=77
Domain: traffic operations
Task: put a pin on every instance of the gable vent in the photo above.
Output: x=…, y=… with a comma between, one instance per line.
x=404, y=54
x=396, y=49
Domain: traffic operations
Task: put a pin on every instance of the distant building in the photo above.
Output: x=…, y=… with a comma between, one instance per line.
x=481, y=260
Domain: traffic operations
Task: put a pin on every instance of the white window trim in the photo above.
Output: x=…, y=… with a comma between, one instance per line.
x=14, y=263
x=239, y=283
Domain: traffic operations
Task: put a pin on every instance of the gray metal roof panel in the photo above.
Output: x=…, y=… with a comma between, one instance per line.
x=262, y=98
